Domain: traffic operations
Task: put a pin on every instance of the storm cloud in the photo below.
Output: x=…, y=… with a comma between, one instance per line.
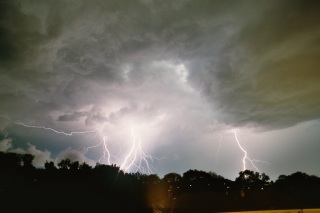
x=186, y=69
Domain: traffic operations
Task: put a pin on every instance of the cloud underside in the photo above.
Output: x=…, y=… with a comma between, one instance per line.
x=238, y=63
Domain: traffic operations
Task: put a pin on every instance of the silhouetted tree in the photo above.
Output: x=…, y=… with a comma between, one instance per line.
x=27, y=160
x=64, y=164
x=297, y=180
x=50, y=166
x=251, y=180
x=85, y=167
x=10, y=160
x=152, y=179
x=218, y=182
x=106, y=174
x=172, y=178
x=73, y=183
x=173, y=183
x=107, y=169
x=195, y=180
x=74, y=165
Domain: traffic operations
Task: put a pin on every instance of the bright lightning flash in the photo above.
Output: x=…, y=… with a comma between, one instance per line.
x=55, y=131
x=106, y=156
x=245, y=156
x=135, y=160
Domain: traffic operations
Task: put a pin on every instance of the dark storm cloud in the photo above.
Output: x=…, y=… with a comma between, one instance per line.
x=186, y=67
x=239, y=54
x=71, y=117
x=253, y=62
x=267, y=75
x=17, y=30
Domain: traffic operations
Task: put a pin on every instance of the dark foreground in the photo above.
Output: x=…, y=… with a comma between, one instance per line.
x=74, y=187
x=98, y=195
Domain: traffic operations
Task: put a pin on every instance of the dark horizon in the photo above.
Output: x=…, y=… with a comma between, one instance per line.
x=48, y=189
x=68, y=164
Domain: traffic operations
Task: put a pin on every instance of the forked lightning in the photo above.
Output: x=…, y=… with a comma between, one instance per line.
x=245, y=156
x=136, y=160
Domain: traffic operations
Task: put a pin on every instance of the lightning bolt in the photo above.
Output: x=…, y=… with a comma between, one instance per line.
x=55, y=131
x=106, y=151
x=218, y=151
x=136, y=152
x=132, y=151
x=136, y=159
x=245, y=156
x=106, y=156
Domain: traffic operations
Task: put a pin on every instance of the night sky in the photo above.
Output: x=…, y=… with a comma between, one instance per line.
x=175, y=83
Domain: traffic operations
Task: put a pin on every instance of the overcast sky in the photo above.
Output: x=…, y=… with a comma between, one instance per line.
x=178, y=83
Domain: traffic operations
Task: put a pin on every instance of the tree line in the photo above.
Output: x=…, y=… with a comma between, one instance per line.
x=107, y=185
